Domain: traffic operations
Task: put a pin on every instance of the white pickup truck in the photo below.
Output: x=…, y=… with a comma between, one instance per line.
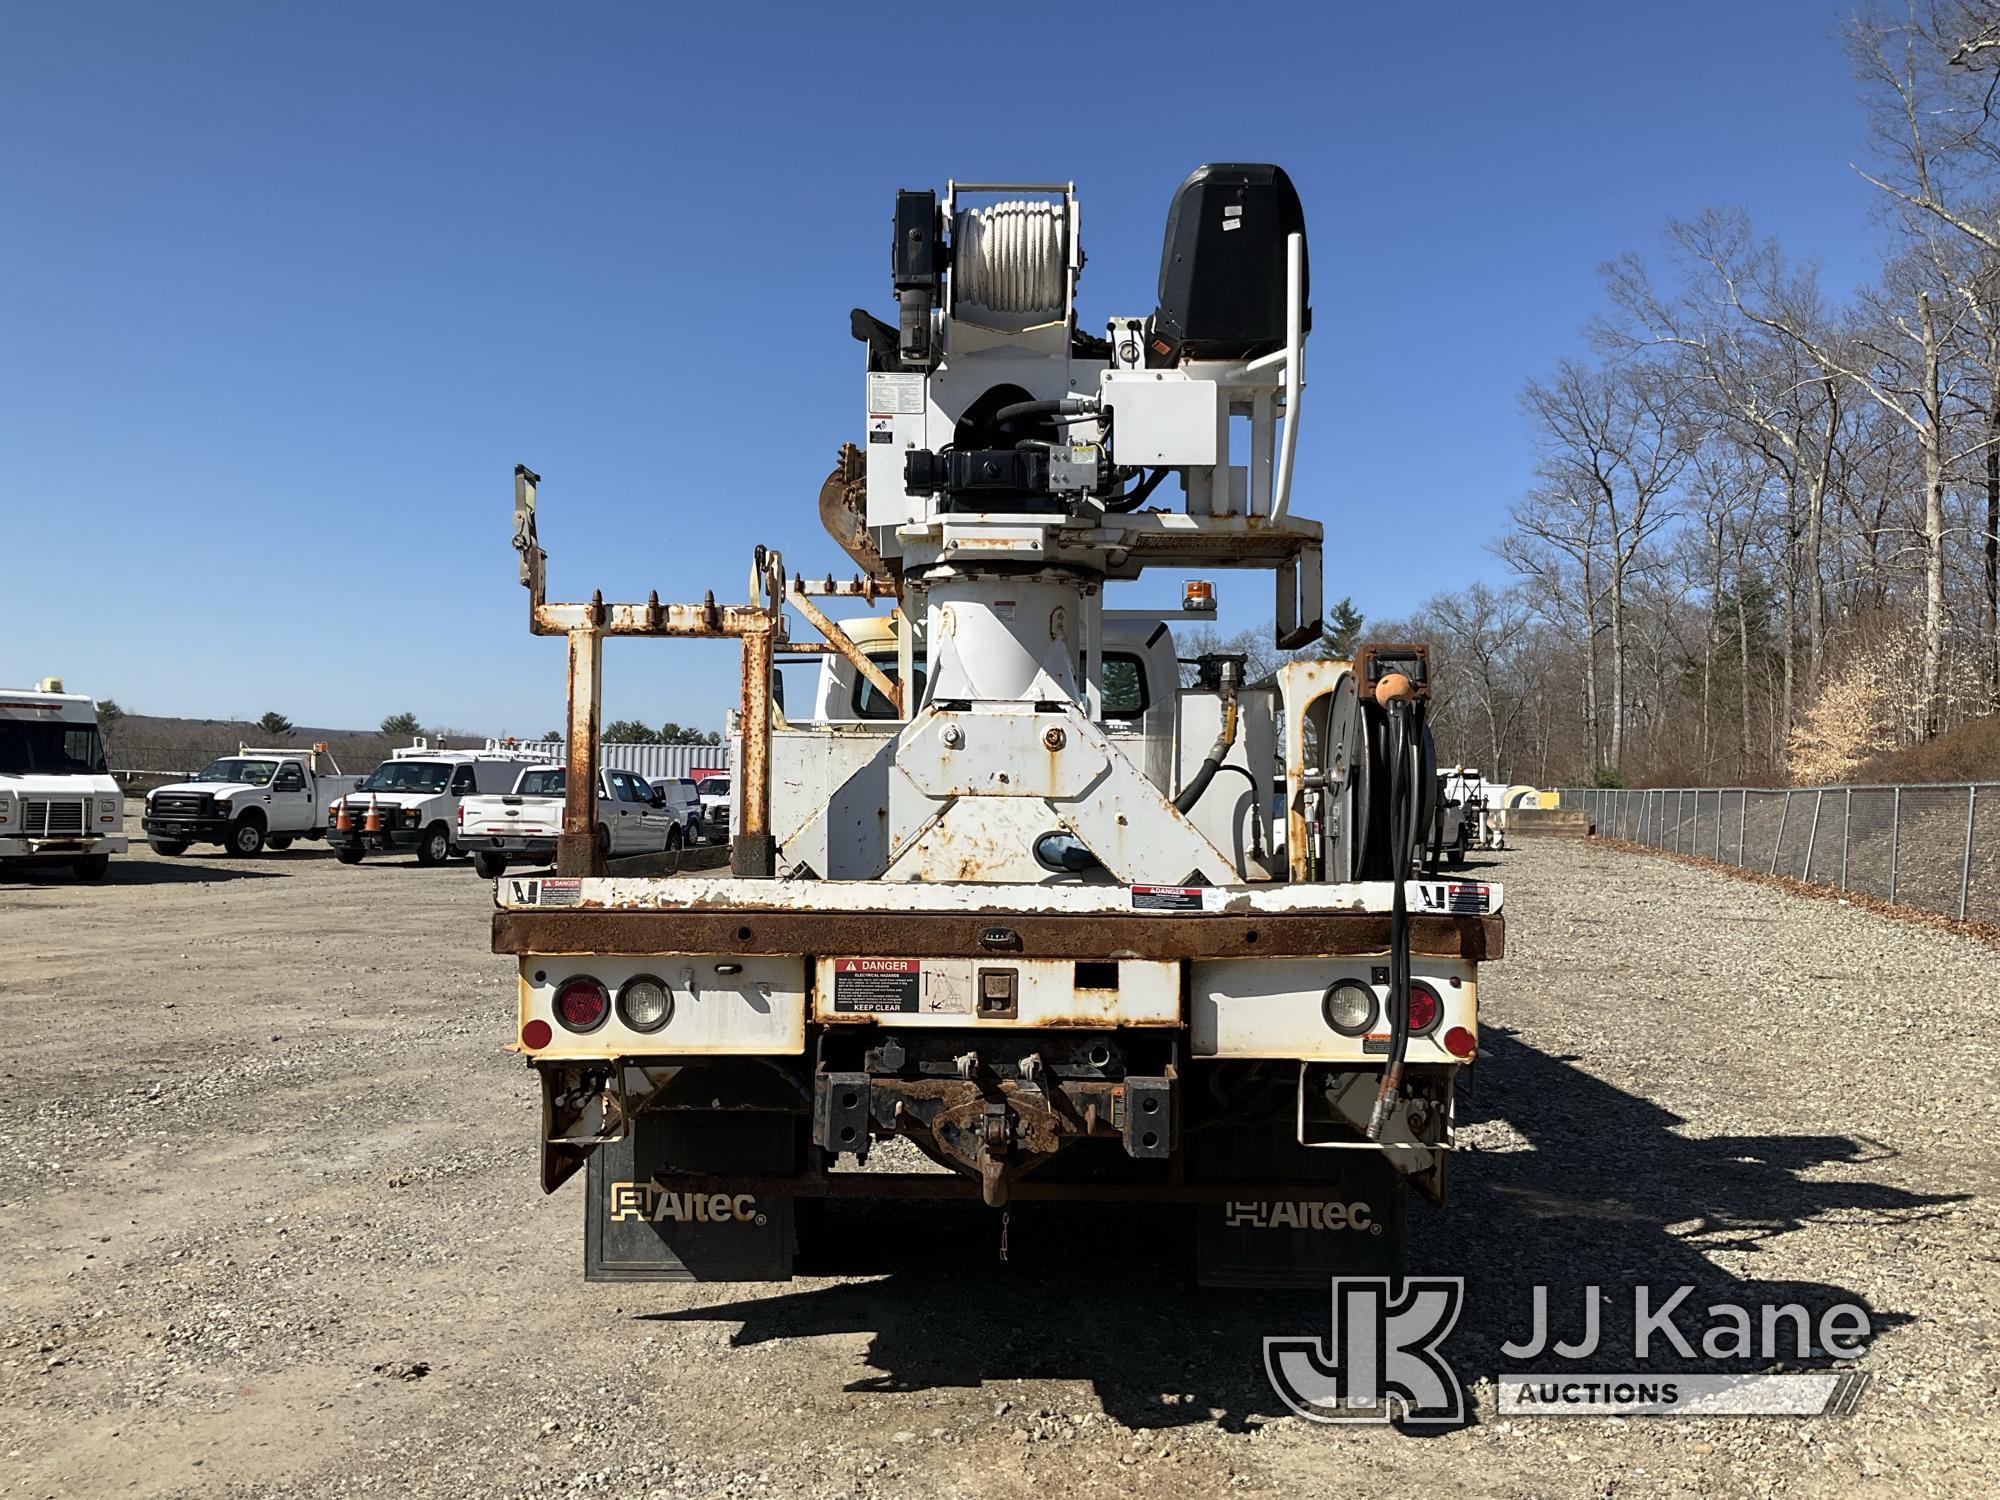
x=411, y=800
x=715, y=818
x=521, y=826
x=247, y=802
x=58, y=802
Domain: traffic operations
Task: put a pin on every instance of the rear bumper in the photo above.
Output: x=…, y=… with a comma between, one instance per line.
x=999, y=1037
x=513, y=845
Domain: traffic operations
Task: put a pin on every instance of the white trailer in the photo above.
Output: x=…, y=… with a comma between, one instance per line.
x=1015, y=893
x=59, y=804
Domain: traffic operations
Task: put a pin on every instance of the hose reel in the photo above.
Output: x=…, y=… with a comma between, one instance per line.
x=1375, y=798
x=1012, y=259
x=1351, y=765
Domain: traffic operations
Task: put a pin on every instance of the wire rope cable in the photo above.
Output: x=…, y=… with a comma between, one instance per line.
x=1010, y=257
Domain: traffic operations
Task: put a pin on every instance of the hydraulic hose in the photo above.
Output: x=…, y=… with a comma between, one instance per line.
x=1138, y=495
x=1189, y=795
x=1067, y=406
x=1405, y=739
x=1256, y=812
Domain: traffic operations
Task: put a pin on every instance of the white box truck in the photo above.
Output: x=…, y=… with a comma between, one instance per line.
x=58, y=802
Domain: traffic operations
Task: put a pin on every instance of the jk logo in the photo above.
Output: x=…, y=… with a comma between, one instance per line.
x=1380, y=1360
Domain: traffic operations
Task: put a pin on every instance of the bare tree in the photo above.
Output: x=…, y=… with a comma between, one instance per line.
x=1482, y=630
x=1615, y=434
x=1929, y=80
x=1554, y=545
x=1763, y=389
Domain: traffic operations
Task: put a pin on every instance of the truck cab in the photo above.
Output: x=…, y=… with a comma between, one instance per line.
x=58, y=802
x=681, y=800
x=411, y=800
x=247, y=802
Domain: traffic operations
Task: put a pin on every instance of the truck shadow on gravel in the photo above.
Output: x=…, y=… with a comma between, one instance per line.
x=1603, y=1193
x=190, y=872
x=138, y=872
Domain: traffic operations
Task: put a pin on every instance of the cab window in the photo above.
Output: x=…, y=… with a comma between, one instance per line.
x=870, y=704
x=1124, y=686
x=289, y=779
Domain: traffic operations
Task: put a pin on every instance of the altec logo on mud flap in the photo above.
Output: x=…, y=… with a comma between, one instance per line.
x=1355, y=1216
x=648, y=1202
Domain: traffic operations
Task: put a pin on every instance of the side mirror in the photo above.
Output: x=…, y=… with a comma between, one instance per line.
x=659, y=800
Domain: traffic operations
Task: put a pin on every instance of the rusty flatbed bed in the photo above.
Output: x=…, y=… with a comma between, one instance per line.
x=1475, y=939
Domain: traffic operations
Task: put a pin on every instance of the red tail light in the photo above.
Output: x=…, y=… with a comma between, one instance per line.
x=1425, y=1007
x=1460, y=1043
x=582, y=1004
x=536, y=1035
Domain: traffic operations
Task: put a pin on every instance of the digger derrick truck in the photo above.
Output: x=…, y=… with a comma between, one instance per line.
x=1027, y=906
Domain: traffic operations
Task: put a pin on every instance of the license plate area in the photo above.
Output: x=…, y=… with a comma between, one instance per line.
x=997, y=990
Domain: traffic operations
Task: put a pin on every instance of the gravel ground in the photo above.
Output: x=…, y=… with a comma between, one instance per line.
x=271, y=1225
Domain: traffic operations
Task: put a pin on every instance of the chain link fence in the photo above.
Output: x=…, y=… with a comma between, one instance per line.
x=1932, y=847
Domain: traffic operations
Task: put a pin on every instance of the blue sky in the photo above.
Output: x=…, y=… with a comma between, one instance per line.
x=290, y=288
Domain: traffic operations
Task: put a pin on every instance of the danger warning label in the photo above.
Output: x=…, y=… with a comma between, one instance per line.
x=1174, y=898
x=875, y=986
x=549, y=892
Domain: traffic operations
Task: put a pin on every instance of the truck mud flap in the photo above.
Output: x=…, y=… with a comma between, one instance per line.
x=1350, y=1221
x=638, y=1226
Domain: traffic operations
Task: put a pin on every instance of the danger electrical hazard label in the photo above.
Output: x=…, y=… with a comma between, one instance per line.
x=1172, y=897
x=875, y=986
x=550, y=892
x=1458, y=898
